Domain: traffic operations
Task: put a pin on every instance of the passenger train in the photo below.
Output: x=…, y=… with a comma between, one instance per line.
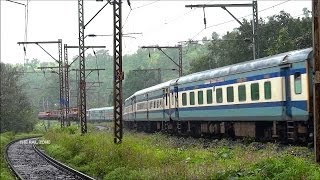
x=268, y=98
x=93, y=115
x=103, y=114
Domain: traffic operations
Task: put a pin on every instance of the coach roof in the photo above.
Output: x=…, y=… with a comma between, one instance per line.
x=101, y=109
x=152, y=88
x=270, y=61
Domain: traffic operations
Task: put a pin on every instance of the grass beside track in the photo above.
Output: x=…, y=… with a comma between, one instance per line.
x=6, y=138
x=158, y=156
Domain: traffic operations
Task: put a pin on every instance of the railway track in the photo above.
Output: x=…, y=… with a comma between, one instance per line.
x=28, y=162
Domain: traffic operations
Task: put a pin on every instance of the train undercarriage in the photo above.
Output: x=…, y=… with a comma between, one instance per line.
x=277, y=131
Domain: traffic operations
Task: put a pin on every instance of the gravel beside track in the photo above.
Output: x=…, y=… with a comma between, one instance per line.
x=30, y=164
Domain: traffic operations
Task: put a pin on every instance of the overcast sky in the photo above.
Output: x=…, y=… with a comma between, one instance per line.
x=161, y=22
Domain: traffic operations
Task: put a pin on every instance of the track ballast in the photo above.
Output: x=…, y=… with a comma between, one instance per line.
x=28, y=162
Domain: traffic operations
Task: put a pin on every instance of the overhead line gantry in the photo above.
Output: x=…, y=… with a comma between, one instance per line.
x=254, y=5
x=66, y=75
x=59, y=61
x=179, y=47
x=117, y=68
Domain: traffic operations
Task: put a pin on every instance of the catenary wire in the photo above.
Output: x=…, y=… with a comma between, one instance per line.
x=219, y=24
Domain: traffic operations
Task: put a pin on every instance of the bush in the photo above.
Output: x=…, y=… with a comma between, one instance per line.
x=157, y=156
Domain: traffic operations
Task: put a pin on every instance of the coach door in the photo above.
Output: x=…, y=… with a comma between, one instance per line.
x=147, y=106
x=310, y=75
x=164, y=103
x=166, y=107
x=287, y=103
x=176, y=102
x=133, y=109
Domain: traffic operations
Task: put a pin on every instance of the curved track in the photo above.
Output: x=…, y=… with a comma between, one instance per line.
x=28, y=162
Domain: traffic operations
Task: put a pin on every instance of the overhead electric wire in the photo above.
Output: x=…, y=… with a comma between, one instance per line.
x=131, y=9
x=212, y=40
x=145, y=5
x=94, y=52
x=125, y=21
x=263, y=27
x=174, y=19
x=208, y=27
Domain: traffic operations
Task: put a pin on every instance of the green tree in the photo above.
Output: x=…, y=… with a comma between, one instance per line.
x=16, y=112
x=139, y=79
x=279, y=33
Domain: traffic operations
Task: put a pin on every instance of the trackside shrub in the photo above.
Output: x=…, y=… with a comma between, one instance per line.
x=157, y=156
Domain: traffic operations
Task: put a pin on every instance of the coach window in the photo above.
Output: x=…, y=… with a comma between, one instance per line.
x=209, y=96
x=166, y=99
x=191, y=98
x=200, y=97
x=242, y=93
x=184, y=99
x=297, y=83
x=267, y=90
x=255, y=91
x=230, y=95
x=219, y=97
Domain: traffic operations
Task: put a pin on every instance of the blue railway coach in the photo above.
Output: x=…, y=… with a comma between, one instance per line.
x=103, y=114
x=265, y=98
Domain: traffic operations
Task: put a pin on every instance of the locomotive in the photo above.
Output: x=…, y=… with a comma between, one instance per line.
x=55, y=114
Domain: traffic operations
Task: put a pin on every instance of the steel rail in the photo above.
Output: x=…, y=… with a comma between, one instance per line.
x=47, y=158
x=13, y=170
x=60, y=165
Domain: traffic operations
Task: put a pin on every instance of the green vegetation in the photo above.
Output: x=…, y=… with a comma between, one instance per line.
x=159, y=156
x=6, y=138
x=16, y=113
x=276, y=34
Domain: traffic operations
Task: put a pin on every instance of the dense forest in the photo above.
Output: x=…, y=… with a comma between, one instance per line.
x=276, y=34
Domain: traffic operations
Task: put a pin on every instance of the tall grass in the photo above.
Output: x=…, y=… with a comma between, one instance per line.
x=158, y=156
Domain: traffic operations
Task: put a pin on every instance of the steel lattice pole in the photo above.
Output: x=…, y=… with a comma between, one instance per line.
x=316, y=85
x=66, y=83
x=82, y=81
x=61, y=83
x=180, y=60
x=255, y=39
x=117, y=70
